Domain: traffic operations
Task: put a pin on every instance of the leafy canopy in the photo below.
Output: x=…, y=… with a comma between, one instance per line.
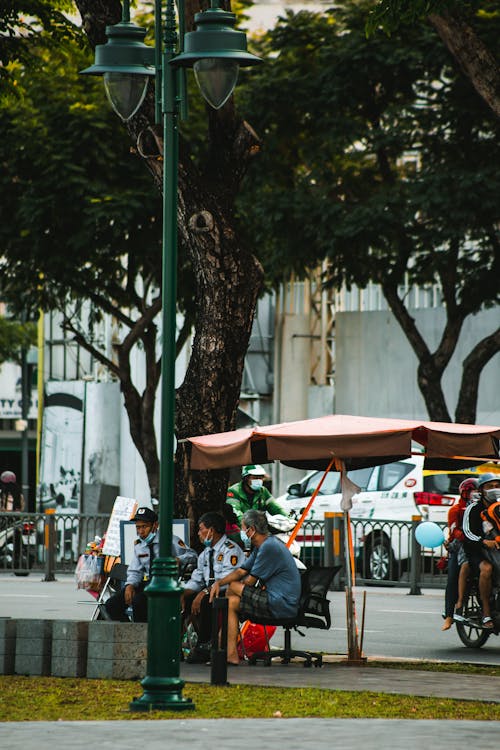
x=378, y=155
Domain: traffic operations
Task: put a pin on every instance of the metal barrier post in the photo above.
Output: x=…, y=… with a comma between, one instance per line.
x=218, y=653
x=415, y=560
x=50, y=544
x=334, y=545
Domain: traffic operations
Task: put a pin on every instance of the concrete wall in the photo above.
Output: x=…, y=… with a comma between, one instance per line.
x=68, y=648
x=376, y=367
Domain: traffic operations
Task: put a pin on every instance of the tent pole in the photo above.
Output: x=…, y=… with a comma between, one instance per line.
x=353, y=653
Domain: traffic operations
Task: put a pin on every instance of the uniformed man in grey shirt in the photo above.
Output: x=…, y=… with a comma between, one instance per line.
x=219, y=557
x=146, y=549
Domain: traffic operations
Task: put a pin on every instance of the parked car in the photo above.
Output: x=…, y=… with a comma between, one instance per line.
x=389, y=494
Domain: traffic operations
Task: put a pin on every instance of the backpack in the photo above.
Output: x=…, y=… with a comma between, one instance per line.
x=492, y=514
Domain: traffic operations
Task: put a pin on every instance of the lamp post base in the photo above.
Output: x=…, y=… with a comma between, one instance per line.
x=162, y=694
x=162, y=684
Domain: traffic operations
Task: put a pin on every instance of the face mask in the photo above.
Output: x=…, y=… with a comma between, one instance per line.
x=256, y=484
x=149, y=537
x=474, y=497
x=493, y=495
x=247, y=540
x=207, y=541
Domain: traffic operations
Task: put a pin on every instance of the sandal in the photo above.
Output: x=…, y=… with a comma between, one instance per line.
x=487, y=623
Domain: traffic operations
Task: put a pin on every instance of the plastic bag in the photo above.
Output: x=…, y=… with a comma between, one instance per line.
x=89, y=572
x=254, y=638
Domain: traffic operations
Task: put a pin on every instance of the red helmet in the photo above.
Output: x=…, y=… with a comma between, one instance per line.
x=8, y=477
x=466, y=487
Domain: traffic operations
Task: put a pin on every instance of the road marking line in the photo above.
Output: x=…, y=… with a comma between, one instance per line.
x=410, y=611
x=25, y=596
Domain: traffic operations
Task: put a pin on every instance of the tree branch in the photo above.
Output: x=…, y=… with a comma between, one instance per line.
x=473, y=56
x=473, y=366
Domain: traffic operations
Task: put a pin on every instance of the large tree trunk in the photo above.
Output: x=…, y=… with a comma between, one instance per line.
x=473, y=56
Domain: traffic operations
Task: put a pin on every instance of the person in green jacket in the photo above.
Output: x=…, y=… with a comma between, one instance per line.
x=250, y=494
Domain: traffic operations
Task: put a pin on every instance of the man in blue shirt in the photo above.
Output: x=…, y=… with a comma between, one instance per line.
x=266, y=585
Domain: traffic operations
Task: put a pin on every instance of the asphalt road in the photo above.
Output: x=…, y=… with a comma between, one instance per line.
x=397, y=625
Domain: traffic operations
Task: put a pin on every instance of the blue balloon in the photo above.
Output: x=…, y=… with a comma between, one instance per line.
x=429, y=534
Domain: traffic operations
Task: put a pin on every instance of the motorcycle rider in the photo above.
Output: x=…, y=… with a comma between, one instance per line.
x=477, y=541
x=11, y=497
x=250, y=494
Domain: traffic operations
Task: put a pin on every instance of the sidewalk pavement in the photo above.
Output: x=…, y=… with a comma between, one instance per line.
x=268, y=734
x=337, y=674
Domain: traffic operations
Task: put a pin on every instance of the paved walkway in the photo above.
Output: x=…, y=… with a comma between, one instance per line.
x=336, y=674
x=266, y=734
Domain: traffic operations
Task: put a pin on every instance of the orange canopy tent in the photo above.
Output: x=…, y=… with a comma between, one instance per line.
x=346, y=442
x=358, y=441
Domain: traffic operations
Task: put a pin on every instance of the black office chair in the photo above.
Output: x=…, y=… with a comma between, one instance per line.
x=314, y=612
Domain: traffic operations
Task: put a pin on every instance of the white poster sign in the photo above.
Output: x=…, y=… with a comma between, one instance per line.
x=62, y=441
x=123, y=510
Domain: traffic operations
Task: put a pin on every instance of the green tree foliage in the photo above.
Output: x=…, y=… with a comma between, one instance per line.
x=79, y=217
x=380, y=157
x=459, y=24
x=14, y=337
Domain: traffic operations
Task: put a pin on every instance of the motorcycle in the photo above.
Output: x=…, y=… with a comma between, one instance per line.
x=471, y=631
x=17, y=544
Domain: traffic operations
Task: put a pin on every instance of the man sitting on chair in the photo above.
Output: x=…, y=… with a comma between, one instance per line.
x=146, y=549
x=219, y=557
x=267, y=584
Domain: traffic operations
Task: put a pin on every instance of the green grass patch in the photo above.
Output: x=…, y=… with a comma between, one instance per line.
x=68, y=699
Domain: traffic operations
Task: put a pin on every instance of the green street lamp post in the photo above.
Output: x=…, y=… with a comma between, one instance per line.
x=215, y=50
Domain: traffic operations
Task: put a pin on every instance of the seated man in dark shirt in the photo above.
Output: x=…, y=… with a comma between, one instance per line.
x=267, y=584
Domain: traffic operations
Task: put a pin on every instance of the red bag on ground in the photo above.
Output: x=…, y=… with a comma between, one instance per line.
x=254, y=638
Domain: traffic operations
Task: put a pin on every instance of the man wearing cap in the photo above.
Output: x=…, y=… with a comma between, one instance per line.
x=146, y=549
x=250, y=494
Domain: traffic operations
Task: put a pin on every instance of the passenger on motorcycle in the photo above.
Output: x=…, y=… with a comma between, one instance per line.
x=478, y=540
x=458, y=566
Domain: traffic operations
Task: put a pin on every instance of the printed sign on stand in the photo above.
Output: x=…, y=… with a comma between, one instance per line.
x=123, y=510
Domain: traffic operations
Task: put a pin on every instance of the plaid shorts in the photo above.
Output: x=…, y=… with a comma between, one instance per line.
x=254, y=603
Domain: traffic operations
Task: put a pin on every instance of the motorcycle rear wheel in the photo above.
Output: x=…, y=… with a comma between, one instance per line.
x=470, y=633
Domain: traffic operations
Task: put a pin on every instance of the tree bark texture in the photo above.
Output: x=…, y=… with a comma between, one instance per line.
x=227, y=277
x=473, y=56
x=472, y=367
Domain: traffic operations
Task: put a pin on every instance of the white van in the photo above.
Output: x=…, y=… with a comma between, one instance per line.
x=391, y=492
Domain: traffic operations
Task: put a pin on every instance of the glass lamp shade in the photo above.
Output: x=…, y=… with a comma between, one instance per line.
x=125, y=92
x=216, y=78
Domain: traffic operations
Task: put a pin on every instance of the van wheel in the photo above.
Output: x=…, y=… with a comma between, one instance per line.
x=379, y=560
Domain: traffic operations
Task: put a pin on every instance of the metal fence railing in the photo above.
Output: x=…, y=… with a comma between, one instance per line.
x=385, y=551
x=46, y=541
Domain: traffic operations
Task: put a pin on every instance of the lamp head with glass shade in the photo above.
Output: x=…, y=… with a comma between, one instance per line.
x=215, y=51
x=126, y=64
